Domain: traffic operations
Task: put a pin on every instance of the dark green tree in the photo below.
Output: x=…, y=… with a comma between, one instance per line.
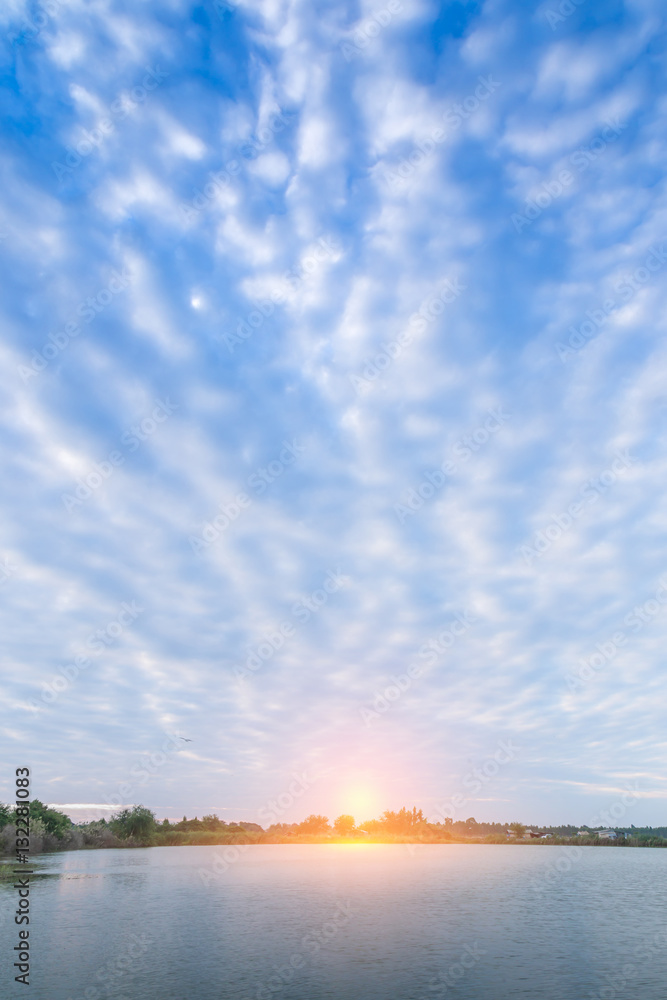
x=137, y=823
x=212, y=822
x=54, y=822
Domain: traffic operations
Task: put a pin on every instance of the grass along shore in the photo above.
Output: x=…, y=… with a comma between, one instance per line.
x=51, y=830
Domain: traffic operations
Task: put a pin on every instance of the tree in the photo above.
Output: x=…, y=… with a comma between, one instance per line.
x=5, y=815
x=315, y=824
x=404, y=821
x=54, y=822
x=518, y=829
x=281, y=829
x=371, y=826
x=137, y=822
x=344, y=825
x=212, y=822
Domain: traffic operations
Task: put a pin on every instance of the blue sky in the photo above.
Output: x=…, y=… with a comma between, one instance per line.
x=334, y=407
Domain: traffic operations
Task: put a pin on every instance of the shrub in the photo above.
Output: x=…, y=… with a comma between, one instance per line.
x=315, y=824
x=54, y=822
x=344, y=825
x=137, y=823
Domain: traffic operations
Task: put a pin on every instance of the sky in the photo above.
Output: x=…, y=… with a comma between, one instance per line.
x=334, y=408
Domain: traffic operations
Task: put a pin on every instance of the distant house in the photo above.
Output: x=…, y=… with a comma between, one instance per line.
x=601, y=834
x=528, y=835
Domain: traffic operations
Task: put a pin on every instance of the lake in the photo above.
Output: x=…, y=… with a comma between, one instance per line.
x=366, y=922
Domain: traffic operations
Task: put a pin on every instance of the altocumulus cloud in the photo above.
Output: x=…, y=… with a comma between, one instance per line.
x=119, y=299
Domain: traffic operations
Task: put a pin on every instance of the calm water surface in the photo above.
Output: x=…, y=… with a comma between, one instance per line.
x=370, y=922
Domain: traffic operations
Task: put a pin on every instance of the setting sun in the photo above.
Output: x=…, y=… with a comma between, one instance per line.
x=361, y=801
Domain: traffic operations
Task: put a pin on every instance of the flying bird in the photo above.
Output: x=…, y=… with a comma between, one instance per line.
x=186, y=740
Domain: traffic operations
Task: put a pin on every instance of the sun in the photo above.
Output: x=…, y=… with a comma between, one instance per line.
x=361, y=801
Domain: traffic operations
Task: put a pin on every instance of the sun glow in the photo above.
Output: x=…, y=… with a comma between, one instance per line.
x=361, y=801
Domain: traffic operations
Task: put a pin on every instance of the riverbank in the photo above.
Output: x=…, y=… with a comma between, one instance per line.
x=77, y=839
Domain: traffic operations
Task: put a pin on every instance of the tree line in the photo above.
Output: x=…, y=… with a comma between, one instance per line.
x=138, y=826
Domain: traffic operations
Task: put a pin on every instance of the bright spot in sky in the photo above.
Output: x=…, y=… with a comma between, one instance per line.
x=361, y=801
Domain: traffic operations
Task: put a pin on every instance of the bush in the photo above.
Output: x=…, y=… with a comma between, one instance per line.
x=54, y=822
x=315, y=824
x=137, y=823
x=344, y=825
x=212, y=822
